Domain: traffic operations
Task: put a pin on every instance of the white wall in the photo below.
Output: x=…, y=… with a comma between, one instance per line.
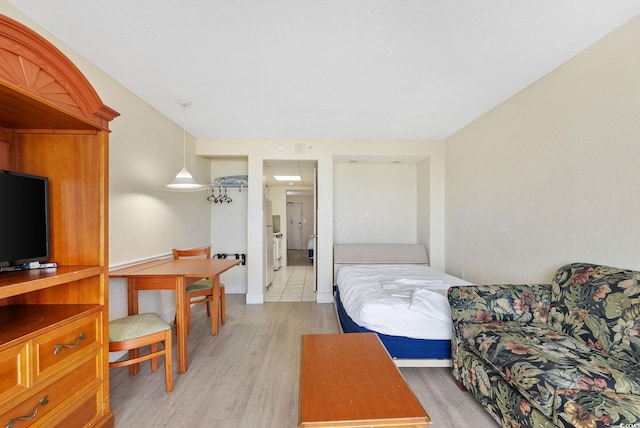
x=229, y=222
x=325, y=153
x=552, y=175
x=423, y=197
x=375, y=203
x=145, y=153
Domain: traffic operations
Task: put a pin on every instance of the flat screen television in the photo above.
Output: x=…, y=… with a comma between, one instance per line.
x=24, y=219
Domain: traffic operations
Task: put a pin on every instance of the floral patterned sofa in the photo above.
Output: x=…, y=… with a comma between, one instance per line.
x=559, y=354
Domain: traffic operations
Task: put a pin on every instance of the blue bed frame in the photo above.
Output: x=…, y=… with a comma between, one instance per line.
x=399, y=347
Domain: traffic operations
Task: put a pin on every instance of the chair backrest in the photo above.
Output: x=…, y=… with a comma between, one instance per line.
x=204, y=252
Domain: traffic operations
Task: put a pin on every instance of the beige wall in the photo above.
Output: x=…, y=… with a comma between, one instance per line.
x=229, y=222
x=430, y=154
x=548, y=177
x=553, y=174
x=423, y=203
x=145, y=153
x=375, y=203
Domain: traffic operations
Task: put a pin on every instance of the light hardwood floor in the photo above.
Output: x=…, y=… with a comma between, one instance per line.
x=247, y=375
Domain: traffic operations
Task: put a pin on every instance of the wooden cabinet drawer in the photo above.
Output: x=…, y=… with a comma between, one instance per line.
x=13, y=371
x=58, y=348
x=81, y=413
x=46, y=401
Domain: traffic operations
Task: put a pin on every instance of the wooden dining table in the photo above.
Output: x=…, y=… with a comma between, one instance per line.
x=174, y=274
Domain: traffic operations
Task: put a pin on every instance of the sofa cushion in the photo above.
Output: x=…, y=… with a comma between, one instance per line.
x=598, y=408
x=600, y=305
x=504, y=302
x=500, y=399
x=540, y=362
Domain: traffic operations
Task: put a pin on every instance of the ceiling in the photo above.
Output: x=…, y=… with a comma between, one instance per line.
x=304, y=169
x=327, y=69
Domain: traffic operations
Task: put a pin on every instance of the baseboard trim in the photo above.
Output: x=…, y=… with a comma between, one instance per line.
x=324, y=298
x=255, y=299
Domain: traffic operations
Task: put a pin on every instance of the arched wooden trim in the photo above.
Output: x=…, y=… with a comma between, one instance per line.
x=33, y=64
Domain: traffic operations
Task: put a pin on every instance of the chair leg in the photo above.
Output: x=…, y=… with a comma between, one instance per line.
x=187, y=316
x=223, y=317
x=208, y=308
x=134, y=369
x=168, y=358
x=154, y=361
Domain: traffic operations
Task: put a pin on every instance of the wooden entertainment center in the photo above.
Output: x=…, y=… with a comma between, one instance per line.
x=53, y=322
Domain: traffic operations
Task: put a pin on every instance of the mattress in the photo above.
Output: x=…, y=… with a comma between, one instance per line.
x=408, y=300
x=402, y=349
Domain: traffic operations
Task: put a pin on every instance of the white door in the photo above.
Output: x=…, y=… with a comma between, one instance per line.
x=315, y=229
x=294, y=226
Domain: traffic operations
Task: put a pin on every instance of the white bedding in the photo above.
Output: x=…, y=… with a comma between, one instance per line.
x=399, y=300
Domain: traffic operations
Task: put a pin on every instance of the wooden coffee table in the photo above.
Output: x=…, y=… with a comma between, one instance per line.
x=349, y=380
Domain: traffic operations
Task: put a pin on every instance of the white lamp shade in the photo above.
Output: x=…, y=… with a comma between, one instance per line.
x=184, y=182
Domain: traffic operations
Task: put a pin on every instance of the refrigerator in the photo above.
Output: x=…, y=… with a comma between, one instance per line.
x=277, y=250
x=268, y=243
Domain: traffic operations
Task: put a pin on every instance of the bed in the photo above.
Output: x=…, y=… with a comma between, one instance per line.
x=390, y=289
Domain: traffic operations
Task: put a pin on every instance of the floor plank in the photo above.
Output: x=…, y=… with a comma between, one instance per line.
x=247, y=375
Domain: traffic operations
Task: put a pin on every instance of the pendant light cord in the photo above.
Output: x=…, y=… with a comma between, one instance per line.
x=184, y=104
x=184, y=182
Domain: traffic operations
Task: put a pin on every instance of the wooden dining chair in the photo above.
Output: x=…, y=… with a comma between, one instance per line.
x=202, y=290
x=135, y=331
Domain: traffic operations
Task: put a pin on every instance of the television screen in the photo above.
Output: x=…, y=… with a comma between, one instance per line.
x=24, y=218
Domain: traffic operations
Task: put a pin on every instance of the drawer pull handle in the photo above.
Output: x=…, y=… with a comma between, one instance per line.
x=44, y=400
x=58, y=348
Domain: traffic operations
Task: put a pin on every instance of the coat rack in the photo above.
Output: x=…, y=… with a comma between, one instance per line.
x=222, y=183
x=219, y=197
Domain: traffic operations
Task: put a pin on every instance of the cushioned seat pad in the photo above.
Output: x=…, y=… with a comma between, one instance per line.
x=203, y=284
x=135, y=326
x=543, y=363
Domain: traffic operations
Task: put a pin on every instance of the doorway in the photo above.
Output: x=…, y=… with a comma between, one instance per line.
x=294, y=202
x=302, y=224
x=294, y=225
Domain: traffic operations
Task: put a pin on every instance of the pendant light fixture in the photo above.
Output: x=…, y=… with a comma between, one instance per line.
x=184, y=181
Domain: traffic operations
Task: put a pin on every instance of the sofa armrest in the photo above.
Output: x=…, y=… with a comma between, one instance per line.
x=503, y=302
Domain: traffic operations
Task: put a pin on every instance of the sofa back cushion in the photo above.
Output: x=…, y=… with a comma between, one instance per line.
x=503, y=302
x=599, y=305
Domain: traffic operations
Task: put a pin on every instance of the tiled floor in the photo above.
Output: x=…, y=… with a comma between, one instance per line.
x=293, y=283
